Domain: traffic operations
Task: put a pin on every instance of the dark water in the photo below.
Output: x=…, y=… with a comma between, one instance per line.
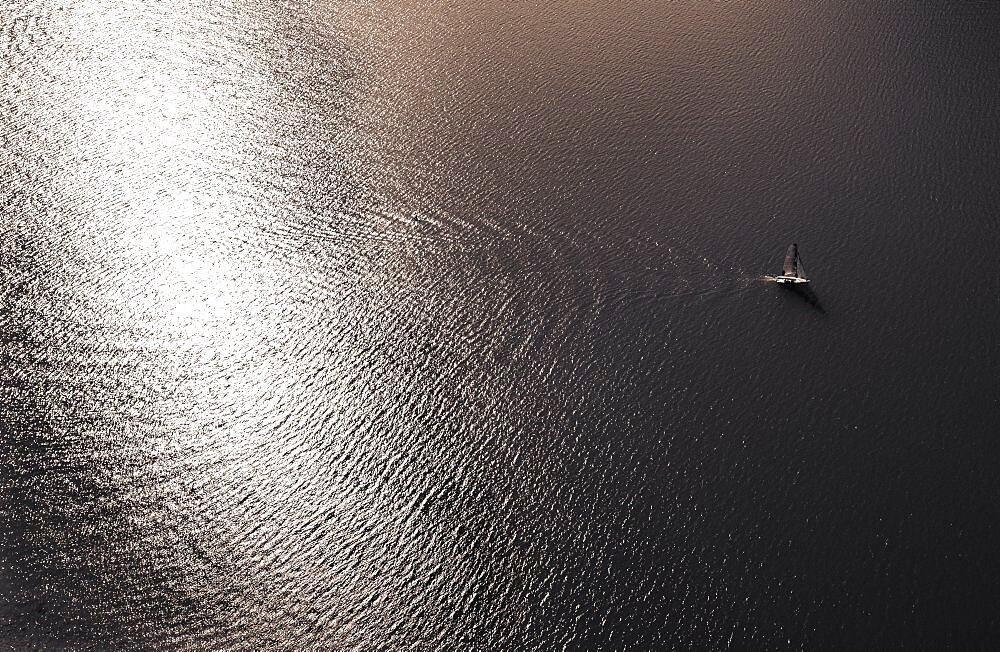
x=337, y=325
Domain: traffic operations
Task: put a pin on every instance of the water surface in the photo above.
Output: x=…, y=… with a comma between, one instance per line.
x=337, y=325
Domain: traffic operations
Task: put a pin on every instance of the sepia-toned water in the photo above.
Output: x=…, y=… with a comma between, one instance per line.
x=341, y=325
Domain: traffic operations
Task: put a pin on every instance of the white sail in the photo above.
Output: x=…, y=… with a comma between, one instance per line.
x=791, y=260
x=793, y=271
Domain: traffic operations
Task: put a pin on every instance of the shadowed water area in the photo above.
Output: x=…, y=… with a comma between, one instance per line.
x=442, y=326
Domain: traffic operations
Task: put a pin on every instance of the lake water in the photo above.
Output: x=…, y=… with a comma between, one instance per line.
x=441, y=326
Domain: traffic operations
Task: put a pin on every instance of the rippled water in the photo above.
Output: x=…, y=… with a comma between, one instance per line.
x=336, y=325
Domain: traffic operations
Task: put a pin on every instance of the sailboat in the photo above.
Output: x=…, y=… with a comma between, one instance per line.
x=793, y=271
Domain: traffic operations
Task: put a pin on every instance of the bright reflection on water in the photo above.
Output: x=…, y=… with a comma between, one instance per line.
x=338, y=325
x=208, y=402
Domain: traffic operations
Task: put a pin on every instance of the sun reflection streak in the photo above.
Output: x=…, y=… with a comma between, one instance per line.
x=202, y=338
x=252, y=396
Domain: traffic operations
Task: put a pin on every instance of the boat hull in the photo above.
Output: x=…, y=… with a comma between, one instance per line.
x=796, y=280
